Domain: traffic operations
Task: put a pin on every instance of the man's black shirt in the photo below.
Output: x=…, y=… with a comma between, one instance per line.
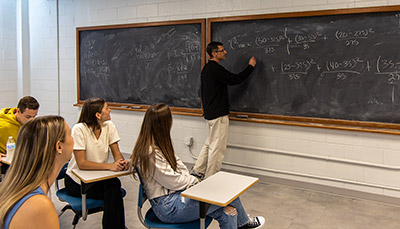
x=215, y=80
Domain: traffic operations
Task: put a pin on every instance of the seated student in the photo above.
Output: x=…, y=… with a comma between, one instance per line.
x=11, y=120
x=43, y=146
x=94, y=134
x=165, y=177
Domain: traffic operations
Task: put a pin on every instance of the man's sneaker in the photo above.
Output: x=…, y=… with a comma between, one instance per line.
x=199, y=176
x=254, y=222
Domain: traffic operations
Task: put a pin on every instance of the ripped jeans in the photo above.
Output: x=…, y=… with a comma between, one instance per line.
x=174, y=208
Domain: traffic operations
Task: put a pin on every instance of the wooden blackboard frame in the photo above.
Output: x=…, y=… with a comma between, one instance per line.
x=141, y=107
x=364, y=126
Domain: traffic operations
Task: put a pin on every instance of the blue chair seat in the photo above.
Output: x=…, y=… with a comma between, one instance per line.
x=76, y=202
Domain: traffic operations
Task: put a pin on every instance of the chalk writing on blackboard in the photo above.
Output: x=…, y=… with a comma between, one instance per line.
x=335, y=66
x=142, y=64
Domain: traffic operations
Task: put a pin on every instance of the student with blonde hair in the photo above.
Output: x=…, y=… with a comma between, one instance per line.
x=43, y=146
x=165, y=176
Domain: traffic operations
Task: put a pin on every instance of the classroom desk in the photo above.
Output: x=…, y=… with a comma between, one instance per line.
x=6, y=160
x=219, y=189
x=89, y=176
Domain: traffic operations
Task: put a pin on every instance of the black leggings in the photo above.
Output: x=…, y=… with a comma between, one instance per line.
x=110, y=192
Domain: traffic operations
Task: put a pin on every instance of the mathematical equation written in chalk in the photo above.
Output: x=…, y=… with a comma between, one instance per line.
x=286, y=47
x=341, y=69
x=331, y=66
x=296, y=41
x=142, y=65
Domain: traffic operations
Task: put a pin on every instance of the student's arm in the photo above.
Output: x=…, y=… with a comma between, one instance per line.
x=80, y=157
x=116, y=152
x=37, y=212
x=180, y=165
x=118, y=155
x=168, y=178
x=114, y=139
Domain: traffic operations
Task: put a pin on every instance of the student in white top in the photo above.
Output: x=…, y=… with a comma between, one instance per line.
x=94, y=135
x=165, y=177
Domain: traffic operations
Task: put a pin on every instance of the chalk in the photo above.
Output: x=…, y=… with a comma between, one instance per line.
x=136, y=107
x=242, y=116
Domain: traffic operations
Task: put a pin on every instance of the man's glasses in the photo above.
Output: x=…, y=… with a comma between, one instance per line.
x=222, y=50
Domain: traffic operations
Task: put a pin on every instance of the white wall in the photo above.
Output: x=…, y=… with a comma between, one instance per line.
x=43, y=52
x=8, y=54
x=350, y=160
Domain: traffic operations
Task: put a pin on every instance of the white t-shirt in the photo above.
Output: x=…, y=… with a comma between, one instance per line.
x=97, y=150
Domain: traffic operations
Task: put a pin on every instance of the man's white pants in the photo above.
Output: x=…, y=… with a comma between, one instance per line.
x=213, y=152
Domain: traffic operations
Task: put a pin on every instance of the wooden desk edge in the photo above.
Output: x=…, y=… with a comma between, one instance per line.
x=218, y=203
x=204, y=200
x=102, y=178
x=244, y=190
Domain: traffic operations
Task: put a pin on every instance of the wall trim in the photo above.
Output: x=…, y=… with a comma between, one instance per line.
x=316, y=157
x=365, y=164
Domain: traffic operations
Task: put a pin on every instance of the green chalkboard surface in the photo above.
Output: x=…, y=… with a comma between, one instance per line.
x=322, y=64
x=141, y=64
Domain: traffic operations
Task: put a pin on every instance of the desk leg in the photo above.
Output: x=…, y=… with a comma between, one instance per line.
x=84, y=209
x=84, y=188
x=203, y=213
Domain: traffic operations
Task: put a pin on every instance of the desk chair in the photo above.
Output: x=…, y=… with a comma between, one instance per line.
x=151, y=221
x=79, y=207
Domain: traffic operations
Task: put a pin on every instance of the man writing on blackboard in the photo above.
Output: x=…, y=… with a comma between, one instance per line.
x=215, y=80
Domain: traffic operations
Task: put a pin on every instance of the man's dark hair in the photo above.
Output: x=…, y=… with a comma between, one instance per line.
x=27, y=102
x=212, y=47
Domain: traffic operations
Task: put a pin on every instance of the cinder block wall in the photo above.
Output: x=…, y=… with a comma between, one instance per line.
x=8, y=53
x=351, y=160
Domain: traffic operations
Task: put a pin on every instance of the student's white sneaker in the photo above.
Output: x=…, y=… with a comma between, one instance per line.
x=254, y=222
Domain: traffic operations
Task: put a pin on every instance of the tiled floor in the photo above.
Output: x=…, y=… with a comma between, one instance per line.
x=282, y=206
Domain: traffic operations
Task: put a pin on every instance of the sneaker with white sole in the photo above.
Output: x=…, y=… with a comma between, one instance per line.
x=254, y=222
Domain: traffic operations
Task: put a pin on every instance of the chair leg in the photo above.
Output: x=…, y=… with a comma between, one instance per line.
x=76, y=219
x=66, y=207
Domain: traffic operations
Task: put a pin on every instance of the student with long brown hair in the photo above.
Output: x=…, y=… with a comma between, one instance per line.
x=43, y=146
x=94, y=135
x=165, y=176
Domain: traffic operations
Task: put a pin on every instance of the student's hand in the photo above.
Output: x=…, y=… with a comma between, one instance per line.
x=126, y=164
x=252, y=61
x=117, y=165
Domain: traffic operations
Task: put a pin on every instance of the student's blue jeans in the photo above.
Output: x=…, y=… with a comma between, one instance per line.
x=174, y=208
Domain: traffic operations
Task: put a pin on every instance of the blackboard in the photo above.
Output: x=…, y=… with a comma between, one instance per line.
x=336, y=65
x=141, y=64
